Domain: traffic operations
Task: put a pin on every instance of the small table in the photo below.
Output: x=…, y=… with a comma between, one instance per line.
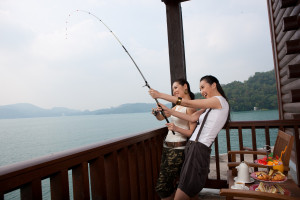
x=241, y=194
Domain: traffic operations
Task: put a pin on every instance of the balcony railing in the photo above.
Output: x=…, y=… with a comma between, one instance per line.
x=123, y=168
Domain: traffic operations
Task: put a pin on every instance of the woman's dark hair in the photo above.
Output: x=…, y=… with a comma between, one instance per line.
x=210, y=80
x=182, y=81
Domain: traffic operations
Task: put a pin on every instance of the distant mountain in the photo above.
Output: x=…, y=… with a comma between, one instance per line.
x=258, y=91
x=127, y=108
x=25, y=110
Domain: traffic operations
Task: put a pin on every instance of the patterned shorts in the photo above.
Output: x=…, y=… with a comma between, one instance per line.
x=171, y=162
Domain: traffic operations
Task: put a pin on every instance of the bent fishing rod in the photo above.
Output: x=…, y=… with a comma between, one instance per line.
x=146, y=82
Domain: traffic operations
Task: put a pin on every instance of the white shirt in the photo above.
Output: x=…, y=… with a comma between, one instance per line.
x=178, y=137
x=214, y=123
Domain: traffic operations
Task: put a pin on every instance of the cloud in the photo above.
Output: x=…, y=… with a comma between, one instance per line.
x=90, y=69
x=227, y=42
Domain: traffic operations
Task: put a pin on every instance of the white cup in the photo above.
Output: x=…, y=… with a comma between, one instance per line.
x=239, y=185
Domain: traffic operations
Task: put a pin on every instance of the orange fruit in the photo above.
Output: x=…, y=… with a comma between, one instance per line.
x=278, y=167
x=270, y=163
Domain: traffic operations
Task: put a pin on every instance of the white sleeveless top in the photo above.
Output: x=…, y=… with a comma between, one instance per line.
x=180, y=123
x=214, y=123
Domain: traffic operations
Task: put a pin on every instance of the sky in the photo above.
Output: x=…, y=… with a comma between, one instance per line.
x=52, y=55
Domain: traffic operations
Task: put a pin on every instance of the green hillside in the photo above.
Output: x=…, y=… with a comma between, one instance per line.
x=258, y=91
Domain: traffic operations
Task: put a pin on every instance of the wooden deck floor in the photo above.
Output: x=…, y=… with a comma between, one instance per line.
x=212, y=194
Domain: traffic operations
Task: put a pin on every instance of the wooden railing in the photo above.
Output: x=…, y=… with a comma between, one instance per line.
x=252, y=127
x=123, y=168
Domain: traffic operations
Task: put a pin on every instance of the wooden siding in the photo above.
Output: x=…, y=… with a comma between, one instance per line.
x=285, y=36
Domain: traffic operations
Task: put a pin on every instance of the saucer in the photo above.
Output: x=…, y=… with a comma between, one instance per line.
x=251, y=180
x=244, y=188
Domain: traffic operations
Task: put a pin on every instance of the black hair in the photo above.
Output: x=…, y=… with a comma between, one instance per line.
x=182, y=81
x=210, y=80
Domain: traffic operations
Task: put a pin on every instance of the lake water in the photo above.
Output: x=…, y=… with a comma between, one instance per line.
x=27, y=138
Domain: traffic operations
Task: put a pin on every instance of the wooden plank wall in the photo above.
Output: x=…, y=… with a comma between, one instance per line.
x=285, y=36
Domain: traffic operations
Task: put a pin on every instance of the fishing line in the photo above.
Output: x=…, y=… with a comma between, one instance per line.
x=146, y=83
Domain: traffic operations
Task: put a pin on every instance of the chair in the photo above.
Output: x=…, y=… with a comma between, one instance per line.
x=283, y=141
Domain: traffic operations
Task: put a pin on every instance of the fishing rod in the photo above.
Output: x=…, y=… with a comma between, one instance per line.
x=146, y=82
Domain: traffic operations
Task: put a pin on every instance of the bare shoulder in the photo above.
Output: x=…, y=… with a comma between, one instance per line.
x=190, y=110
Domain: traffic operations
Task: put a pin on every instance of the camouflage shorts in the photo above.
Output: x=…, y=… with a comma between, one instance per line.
x=170, y=167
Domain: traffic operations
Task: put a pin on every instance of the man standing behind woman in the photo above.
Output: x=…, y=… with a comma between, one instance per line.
x=174, y=144
x=214, y=112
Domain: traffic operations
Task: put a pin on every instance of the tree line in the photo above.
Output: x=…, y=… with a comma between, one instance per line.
x=258, y=91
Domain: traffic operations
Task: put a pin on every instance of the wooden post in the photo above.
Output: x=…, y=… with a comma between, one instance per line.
x=175, y=39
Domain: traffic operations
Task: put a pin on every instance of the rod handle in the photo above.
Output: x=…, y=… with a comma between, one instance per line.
x=163, y=114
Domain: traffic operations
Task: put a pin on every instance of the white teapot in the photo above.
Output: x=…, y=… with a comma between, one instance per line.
x=243, y=173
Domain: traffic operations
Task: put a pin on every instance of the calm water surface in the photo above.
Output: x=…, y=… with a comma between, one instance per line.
x=24, y=139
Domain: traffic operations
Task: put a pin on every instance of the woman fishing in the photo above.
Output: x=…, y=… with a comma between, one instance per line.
x=212, y=116
x=174, y=144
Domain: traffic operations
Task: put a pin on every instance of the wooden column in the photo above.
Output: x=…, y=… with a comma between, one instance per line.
x=175, y=39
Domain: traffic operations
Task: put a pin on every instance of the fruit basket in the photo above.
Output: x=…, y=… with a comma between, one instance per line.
x=269, y=160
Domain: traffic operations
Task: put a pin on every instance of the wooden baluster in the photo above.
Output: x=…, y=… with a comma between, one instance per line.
x=81, y=182
x=217, y=158
x=228, y=143
x=133, y=172
x=154, y=160
x=112, y=176
x=32, y=190
x=241, y=143
x=254, y=146
x=155, y=163
x=124, y=173
x=97, y=176
x=267, y=135
x=59, y=184
x=141, y=170
x=160, y=141
x=148, y=167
